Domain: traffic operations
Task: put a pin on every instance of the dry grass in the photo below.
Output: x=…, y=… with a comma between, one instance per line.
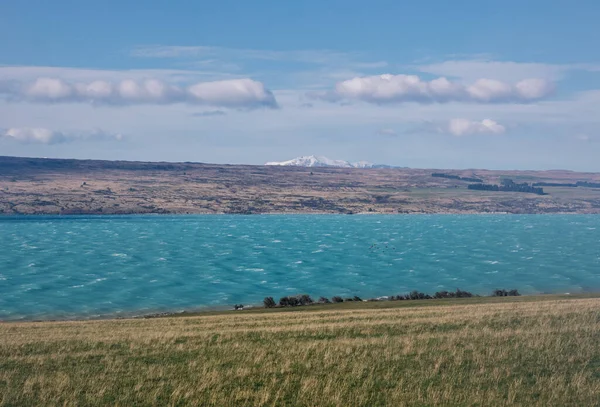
x=526, y=353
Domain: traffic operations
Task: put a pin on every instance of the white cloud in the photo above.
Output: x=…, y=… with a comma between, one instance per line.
x=40, y=135
x=236, y=93
x=465, y=127
x=534, y=88
x=387, y=88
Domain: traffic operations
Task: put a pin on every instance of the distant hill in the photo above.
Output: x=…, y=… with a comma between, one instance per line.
x=63, y=187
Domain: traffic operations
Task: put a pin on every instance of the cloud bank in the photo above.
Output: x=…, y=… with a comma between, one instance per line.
x=234, y=93
x=39, y=135
x=465, y=127
x=387, y=89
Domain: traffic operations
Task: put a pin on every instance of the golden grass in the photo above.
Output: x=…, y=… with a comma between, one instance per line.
x=526, y=353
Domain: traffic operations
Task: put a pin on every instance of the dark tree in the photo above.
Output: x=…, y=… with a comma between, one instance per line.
x=269, y=302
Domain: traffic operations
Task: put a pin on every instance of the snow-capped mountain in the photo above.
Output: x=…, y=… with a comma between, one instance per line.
x=320, y=161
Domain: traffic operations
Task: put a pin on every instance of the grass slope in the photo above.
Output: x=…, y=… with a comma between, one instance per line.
x=541, y=351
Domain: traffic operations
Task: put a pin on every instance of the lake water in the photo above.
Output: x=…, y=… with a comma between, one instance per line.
x=89, y=266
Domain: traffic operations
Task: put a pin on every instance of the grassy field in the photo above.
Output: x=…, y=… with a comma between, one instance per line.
x=526, y=351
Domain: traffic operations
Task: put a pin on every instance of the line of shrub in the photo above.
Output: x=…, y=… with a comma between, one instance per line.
x=305, y=299
x=504, y=293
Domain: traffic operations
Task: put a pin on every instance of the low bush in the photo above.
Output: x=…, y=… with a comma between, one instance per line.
x=304, y=299
x=417, y=295
x=463, y=294
x=269, y=302
x=295, y=300
x=504, y=293
x=453, y=294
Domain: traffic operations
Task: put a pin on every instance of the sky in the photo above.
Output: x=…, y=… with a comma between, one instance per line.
x=428, y=84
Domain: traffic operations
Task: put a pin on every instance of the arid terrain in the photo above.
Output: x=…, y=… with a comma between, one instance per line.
x=56, y=186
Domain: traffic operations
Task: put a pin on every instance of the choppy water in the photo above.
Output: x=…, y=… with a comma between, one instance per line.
x=59, y=267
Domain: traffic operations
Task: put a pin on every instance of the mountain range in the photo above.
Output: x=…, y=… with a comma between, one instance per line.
x=320, y=161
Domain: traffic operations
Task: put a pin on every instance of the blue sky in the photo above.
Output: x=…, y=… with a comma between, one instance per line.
x=436, y=84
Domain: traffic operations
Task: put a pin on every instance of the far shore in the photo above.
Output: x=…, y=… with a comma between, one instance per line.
x=93, y=187
x=117, y=215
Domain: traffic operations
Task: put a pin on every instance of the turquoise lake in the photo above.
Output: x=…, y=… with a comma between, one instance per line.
x=91, y=266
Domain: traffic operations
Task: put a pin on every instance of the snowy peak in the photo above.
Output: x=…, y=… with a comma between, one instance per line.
x=320, y=161
x=312, y=161
x=363, y=164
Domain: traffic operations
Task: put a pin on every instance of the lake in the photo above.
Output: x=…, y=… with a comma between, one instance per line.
x=54, y=267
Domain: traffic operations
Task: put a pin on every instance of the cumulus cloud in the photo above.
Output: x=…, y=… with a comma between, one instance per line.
x=236, y=93
x=39, y=135
x=465, y=127
x=382, y=89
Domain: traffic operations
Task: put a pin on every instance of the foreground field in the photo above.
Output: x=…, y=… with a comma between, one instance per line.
x=514, y=351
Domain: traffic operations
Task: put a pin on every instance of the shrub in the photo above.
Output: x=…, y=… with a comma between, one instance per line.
x=269, y=302
x=356, y=298
x=324, y=300
x=337, y=299
x=463, y=294
x=504, y=293
x=304, y=299
x=416, y=295
x=349, y=299
x=295, y=300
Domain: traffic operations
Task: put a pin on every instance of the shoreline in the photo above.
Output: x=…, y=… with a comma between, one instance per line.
x=378, y=303
x=117, y=215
